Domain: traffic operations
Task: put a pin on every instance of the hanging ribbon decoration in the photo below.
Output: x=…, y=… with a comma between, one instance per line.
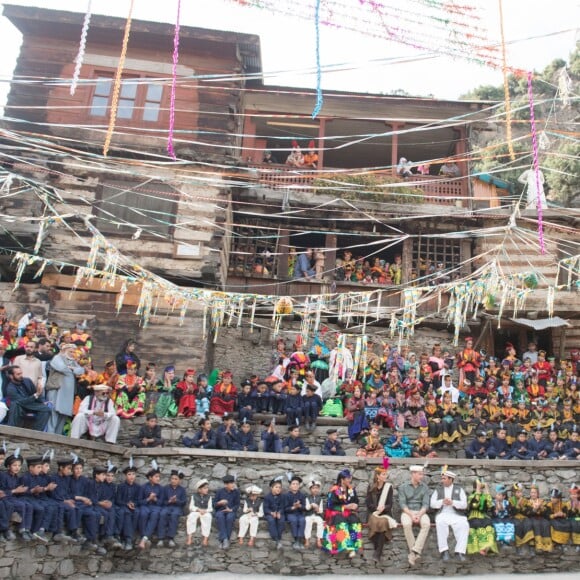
x=82, y=48
x=319, y=97
x=117, y=84
x=170, y=149
x=506, y=87
x=536, y=166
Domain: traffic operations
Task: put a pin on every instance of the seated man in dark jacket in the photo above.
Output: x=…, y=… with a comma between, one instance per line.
x=149, y=434
x=477, y=449
x=24, y=398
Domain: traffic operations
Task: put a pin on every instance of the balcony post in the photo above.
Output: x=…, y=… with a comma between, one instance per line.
x=330, y=254
x=283, y=242
x=394, y=145
x=249, y=140
x=460, y=152
x=321, y=132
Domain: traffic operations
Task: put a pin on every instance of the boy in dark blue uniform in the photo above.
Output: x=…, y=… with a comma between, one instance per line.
x=174, y=500
x=294, y=444
x=226, y=505
x=62, y=494
x=80, y=490
x=293, y=407
x=103, y=504
x=150, y=506
x=274, y=511
x=246, y=401
x=295, y=511
x=43, y=510
x=127, y=503
x=477, y=448
x=499, y=448
x=332, y=445
x=312, y=403
x=245, y=437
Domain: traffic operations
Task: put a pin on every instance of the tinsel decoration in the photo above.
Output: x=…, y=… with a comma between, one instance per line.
x=82, y=49
x=506, y=88
x=319, y=97
x=536, y=166
x=117, y=83
x=170, y=148
x=564, y=86
x=531, y=281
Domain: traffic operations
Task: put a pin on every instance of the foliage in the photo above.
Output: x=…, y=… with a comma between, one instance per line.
x=560, y=160
x=369, y=187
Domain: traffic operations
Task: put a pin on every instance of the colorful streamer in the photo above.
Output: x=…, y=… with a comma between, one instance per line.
x=536, y=166
x=170, y=148
x=82, y=48
x=506, y=88
x=117, y=85
x=319, y=97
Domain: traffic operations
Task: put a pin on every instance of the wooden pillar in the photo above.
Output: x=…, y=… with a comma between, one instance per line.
x=249, y=140
x=464, y=256
x=283, y=243
x=460, y=152
x=321, y=132
x=407, y=259
x=394, y=146
x=330, y=254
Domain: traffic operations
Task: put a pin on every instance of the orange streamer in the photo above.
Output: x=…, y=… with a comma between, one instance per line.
x=117, y=85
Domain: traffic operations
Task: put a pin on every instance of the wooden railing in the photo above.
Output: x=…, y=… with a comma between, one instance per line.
x=437, y=190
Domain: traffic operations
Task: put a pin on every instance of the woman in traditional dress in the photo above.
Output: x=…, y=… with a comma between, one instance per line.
x=379, y=504
x=224, y=396
x=481, y=532
x=574, y=516
x=371, y=444
x=130, y=401
x=522, y=524
x=560, y=524
x=342, y=526
x=188, y=399
x=501, y=513
x=167, y=404
x=538, y=513
x=449, y=418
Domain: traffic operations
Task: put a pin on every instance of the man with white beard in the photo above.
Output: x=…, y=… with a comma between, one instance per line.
x=97, y=415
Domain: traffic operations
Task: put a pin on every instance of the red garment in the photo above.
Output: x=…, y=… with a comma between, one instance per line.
x=223, y=399
x=544, y=370
x=187, y=406
x=468, y=360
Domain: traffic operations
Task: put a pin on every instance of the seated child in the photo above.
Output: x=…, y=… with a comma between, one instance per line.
x=271, y=442
x=149, y=434
x=332, y=445
x=200, y=509
x=314, y=513
x=293, y=443
x=252, y=511
x=245, y=437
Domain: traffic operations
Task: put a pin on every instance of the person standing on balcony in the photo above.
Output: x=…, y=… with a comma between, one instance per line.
x=295, y=159
x=311, y=157
x=404, y=168
x=303, y=266
x=450, y=170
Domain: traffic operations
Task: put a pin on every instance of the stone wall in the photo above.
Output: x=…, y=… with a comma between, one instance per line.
x=51, y=561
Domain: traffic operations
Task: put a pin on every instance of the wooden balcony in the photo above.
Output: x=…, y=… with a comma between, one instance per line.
x=383, y=301
x=436, y=190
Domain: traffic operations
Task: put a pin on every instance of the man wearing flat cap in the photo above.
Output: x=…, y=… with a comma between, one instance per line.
x=97, y=415
x=414, y=502
x=451, y=502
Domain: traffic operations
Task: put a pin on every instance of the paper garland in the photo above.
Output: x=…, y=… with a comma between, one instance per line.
x=536, y=163
x=117, y=83
x=170, y=148
x=82, y=48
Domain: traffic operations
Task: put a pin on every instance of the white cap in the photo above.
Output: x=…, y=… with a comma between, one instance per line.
x=253, y=489
x=201, y=483
x=419, y=468
x=449, y=473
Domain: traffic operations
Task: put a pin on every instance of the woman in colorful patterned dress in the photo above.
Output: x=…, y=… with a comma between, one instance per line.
x=502, y=511
x=342, y=526
x=481, y=532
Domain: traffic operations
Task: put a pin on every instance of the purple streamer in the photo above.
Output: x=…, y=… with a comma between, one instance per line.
x=170, y=148
x=536, y=166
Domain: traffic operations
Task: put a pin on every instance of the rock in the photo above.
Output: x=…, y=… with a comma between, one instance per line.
x=219, y=471
x=24, y=568
x=93, y=565
x=66, y=568
x=49, y=568
x=240, y=569
x=106, y=566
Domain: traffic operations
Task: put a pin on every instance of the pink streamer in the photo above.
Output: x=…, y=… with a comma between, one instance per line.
x=536, y=166
x=170, y=148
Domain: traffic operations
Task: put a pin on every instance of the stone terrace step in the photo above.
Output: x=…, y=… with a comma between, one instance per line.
x=174, y=429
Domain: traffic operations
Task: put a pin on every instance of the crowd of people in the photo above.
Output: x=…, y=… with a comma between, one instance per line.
x=504, y=408
x=102, y=514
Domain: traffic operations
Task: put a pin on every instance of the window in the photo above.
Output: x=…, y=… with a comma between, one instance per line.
x=254, y=250
x=434, y=258
x=125, y=208
x=140, y=99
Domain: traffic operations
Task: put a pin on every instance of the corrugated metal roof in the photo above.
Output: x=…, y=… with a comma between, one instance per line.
x=541, y=323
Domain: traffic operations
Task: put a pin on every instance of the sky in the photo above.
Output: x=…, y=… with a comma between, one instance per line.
x=536, y=32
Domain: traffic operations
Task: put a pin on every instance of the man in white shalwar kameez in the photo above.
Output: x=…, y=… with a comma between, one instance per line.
x=97, y=415
x=451, y=501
